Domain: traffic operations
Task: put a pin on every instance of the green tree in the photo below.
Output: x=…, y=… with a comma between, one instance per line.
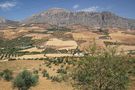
x=104, y=71
x=25, y=80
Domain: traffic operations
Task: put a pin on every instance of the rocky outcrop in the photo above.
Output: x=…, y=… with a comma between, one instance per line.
x=62, y=17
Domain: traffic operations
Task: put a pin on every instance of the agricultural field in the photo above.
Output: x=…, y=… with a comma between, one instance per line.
x=76, y=47
x=50, y=54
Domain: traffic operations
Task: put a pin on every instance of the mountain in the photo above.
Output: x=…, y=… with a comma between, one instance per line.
x=4, y=23
x=62, y=17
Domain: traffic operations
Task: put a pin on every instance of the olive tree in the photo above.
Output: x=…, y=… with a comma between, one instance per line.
x=106, y=70
x=25, y=80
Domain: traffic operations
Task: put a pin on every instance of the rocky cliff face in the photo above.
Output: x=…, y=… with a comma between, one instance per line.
x=63, y=17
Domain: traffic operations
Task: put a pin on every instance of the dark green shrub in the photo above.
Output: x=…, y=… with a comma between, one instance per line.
x=103, y=71
x=56, y=78
x=45, y=73
x=131, y=61
x=35, y=71
x=7, y=75
x=1, y=74
x=25, y=80
x=63, y=71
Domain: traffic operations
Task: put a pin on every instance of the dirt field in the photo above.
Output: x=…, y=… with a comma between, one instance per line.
x=122, y=37
x=38, y=36
x=11, y=34
x=60, y=43
x=31, y=56
x=84, y=35
x=124, y=47
x=34, y=49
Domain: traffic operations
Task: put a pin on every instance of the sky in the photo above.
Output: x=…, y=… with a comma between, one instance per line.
x=21, y=9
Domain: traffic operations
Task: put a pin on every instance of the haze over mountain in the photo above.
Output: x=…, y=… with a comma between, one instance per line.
x=5, y=22
x=62, y=17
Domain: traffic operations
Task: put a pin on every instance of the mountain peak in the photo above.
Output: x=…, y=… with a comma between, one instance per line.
x=63, y=17
x=56, y=10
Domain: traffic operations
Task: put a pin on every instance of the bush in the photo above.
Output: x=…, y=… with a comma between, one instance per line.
x=1, y=74
x=131, y=61
x=60, y=78
x=56, y=78
x=35, y=71
x=63, y=71
x=6, y=75
x=104, y=71
x=25, y=80
x=45, y=74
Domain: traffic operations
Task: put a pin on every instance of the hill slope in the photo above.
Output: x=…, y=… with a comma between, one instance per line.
x=4, y=23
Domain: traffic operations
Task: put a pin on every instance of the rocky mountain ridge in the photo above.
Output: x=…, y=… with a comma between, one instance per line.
x=62, y=17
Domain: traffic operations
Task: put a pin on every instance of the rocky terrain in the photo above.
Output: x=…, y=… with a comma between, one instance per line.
x=62, y=17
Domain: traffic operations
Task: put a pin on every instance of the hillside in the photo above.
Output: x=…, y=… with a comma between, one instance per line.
x=62, y=17
x=5, y=22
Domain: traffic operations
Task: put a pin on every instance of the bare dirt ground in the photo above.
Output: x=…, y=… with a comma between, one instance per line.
x=58, y=55
x=54, y=42
x=34, y=49
x=123, y=37
x=48, y=85
x=31, y=56
x=85, y=35
x=44, y=84
x=38, y=36
x=19, y=65
x=12, y=34
x=123, y=47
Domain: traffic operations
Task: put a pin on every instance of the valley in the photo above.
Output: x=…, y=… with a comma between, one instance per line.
x=57, y=44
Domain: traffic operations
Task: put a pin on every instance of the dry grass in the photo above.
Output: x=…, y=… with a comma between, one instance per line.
x=43, y=84
x=4, y=85
x=69, y=44
x=20, y=64
x=34, y=49
x=58, y=55
x=123, y=47
x=48, y=85
x=38, y=36
x=12, y=34
x=86, y=35
x=122, y=37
